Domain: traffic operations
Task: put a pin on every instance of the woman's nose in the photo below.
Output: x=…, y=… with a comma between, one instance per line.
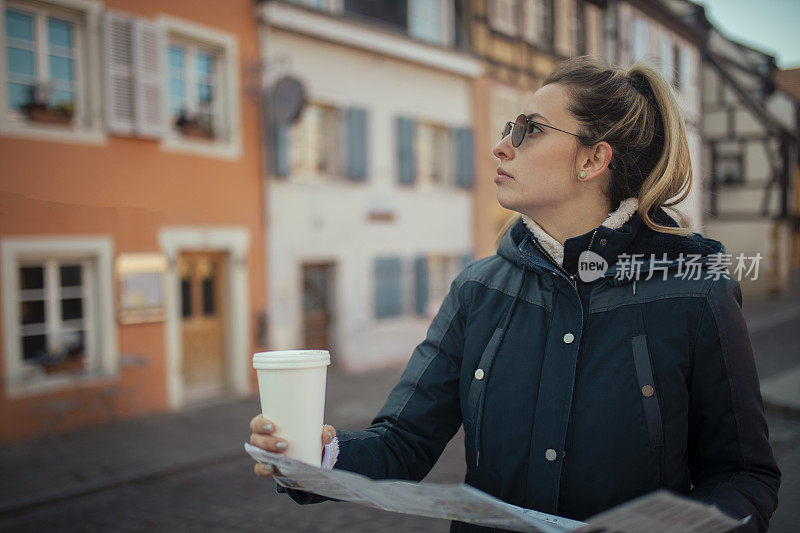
x=503, y=148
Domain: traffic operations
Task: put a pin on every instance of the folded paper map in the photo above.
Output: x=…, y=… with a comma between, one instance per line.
x=658, y=512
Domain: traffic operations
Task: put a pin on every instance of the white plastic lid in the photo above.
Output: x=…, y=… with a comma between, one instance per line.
x=289, y=359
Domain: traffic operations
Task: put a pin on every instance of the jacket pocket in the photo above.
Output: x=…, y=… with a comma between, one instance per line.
x=647, y=390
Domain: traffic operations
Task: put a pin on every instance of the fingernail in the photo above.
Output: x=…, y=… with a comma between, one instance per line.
x=281, y=445
x=330, y=434
x=267, y=427
x=267, y=468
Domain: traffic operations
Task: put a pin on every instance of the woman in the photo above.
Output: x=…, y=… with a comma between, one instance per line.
x=577, y=394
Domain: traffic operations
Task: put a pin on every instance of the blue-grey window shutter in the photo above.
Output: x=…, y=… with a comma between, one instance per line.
x=356, y=143
x=406, y=165
x=280, y=149
x=421, y=284
x=388, y=287
x=465, y=173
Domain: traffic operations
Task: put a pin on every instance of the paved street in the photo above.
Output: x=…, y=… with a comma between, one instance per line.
x=186, y=471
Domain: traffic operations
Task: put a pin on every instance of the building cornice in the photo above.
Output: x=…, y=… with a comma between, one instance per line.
x=365, y=37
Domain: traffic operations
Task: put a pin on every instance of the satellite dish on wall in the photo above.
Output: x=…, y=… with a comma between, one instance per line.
x=286, y=100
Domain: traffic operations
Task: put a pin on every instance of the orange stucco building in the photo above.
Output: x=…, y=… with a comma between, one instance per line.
x=131, y=209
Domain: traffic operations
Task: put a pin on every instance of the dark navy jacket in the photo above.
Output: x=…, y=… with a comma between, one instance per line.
x=576, y=397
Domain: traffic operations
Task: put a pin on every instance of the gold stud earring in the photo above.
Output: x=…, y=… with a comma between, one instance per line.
x=583, y=174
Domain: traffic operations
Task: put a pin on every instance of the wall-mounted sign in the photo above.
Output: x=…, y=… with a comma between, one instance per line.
x=140, y=278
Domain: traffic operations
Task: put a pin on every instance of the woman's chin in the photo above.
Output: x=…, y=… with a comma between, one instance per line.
x=506, y=200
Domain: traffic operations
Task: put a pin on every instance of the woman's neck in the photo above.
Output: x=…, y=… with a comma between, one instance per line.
x=555, y=247
x=572, y=219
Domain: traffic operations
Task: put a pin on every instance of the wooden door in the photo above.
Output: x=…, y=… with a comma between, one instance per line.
x=203, y=311
x=317, y=306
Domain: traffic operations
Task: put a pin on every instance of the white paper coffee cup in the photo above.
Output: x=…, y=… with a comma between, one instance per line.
x=291, y=384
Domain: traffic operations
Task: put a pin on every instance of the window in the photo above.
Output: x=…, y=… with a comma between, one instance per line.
x=200, y=82
x=56, y=325
x=59, y=325
x=426, y=21
x=321, y=5
x=578, y=28
x=389, y=12
x=442, y=270
x=685, y=65
x=195, y=89
x=537, y=21
x=503, y=16
x=325, y=142
x=728, y=169
x=639, y=40
x=667, y=65
x=677, y=80
x=434, y=155
x=45, y=69
x=314, y=142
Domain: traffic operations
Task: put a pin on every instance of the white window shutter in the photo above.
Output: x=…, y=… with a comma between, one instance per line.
x=118, y=41
x=667, y=68
x=686, y=69
x=148, y=66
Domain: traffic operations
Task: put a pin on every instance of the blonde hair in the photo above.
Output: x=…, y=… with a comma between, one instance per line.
x=635, y=111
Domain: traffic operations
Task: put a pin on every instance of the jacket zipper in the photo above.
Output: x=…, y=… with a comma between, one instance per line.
x=555, y=263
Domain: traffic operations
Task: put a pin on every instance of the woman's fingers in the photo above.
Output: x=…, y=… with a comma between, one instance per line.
x=268, y=442
x=265, y=470
x=259, y=424
x=328, y=432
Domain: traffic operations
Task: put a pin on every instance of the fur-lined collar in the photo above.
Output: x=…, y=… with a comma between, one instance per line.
x=615, y=220
x=633, y=237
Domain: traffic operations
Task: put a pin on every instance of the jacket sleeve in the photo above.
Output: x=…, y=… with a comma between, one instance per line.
x=421, y=414
x=730, y=459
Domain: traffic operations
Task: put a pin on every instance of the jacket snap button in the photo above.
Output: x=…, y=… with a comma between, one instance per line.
x=603, y=242
x=569, y=337
x=648, y=390
x=550, y=454
x=479, y=374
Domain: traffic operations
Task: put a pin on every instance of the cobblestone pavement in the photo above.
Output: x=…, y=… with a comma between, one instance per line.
x=224, y=496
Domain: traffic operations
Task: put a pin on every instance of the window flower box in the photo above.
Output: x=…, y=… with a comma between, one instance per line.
x=44, y=114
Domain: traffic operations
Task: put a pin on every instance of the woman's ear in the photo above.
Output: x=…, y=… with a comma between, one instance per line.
x=598, y=159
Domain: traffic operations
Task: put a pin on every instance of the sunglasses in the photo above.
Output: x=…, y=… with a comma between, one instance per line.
x=522, y=126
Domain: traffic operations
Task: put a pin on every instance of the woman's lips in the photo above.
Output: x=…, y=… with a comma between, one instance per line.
x=501, y=176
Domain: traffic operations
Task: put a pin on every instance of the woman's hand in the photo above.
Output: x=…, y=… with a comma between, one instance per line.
x=262, y=437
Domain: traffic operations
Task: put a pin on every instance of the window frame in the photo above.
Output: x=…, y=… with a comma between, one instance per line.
x=451, y=165
x=229, y=145
x=504, y=26
x=192, y=50
x=446, y=33
x=24, y=379
x=536, y=16
x=337, y=167
x=442, y=270
x=86, y=127
x=50, y=295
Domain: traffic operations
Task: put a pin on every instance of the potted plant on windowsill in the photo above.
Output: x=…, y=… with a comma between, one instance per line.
x=192, y=127
x=39, y=110
x=68, y=359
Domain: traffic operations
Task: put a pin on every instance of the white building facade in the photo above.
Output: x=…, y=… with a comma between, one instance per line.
x=369, y=202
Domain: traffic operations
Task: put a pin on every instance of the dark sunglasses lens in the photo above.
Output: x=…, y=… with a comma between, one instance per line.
x=506, y=130
x=519, y=130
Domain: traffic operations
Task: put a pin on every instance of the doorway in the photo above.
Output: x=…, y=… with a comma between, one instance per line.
x=318, y=306
x=203, y=311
